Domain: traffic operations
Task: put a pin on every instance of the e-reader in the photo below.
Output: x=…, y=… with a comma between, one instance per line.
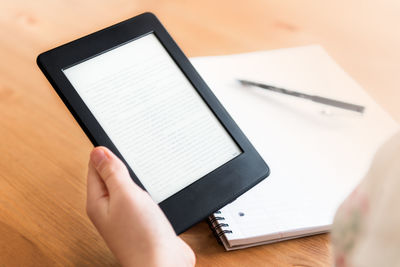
x=132, y=89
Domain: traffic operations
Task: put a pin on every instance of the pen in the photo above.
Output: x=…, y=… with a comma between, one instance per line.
x=315, y=98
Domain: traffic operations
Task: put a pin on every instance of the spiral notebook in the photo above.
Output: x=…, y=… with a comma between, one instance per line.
x=317, y=153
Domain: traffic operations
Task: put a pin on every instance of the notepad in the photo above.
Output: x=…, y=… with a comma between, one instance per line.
x=317, y=154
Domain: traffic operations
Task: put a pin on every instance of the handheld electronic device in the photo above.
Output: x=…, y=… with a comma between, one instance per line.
x=133, y=90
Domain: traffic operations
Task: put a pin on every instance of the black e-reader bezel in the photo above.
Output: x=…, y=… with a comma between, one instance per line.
x=201, y=198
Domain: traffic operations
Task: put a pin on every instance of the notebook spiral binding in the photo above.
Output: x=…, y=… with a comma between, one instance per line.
x=218, y=226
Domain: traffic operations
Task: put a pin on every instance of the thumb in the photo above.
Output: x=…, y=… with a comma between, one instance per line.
x=111, y=170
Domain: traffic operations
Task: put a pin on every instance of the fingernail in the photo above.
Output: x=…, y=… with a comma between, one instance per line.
x=97, y=156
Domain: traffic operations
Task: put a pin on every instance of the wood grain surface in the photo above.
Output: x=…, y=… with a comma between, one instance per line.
x=44, y=153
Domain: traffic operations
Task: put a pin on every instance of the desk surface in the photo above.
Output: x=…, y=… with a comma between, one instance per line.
x=44, y=153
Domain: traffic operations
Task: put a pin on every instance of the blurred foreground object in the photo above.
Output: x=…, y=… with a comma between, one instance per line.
x=366, y=229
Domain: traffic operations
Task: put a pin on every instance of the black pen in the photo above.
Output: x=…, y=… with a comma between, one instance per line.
x=315, y=98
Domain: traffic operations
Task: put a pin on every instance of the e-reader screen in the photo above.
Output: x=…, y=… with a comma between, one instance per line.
x=154, y=116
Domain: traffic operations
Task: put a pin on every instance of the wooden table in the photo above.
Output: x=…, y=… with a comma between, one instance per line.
x=44, y=153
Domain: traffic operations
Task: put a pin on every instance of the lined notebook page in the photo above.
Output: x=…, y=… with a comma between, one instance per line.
x=317, y=154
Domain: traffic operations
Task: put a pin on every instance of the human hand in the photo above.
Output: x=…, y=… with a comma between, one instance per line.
x=131, y=223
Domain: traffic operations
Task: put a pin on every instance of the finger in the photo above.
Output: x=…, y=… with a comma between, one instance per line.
x=96, y=189
x=97, y=193
x=111, y=170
